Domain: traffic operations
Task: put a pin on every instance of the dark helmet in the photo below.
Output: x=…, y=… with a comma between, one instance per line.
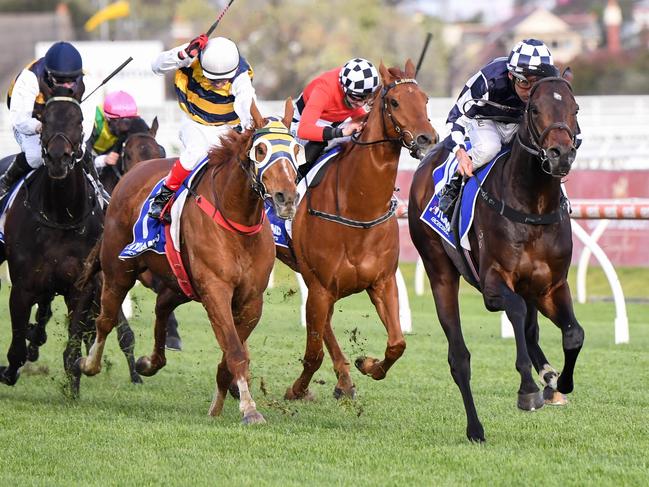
x=63, y=60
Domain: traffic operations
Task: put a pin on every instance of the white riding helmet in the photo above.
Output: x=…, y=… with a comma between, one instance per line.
x=219, y=59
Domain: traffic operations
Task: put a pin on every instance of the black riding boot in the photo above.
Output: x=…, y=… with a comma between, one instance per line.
x=312, y=151
x=159, y=202
x=89, y=166
x=449, y=194
x=16, y=170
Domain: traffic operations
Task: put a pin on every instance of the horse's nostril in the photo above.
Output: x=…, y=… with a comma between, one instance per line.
x=554, y=153
x=424, y=140
x=279, y=197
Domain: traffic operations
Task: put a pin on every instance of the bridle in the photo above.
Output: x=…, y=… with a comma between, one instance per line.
x=386, y=112
x=120, y=168
x=77, y=151
x=536, y=139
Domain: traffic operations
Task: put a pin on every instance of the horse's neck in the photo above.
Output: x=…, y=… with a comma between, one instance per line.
x=533, y=189
x=236, y=198
x=371, y=170
x=65, y=200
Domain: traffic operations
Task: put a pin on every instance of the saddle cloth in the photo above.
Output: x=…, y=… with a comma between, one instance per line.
x=7, y=202
x=437, y=220
x=149, y=233
x=282, y=229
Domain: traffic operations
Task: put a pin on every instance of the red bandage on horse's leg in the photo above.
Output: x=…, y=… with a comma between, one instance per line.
x=176, y=176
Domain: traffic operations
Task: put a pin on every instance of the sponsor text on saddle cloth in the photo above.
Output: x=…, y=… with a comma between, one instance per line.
x=437, y=220
x=152, y=234
x=282, y=228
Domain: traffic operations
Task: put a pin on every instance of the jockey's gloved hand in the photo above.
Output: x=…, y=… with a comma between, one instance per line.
x=196, y=45
x=238, y=128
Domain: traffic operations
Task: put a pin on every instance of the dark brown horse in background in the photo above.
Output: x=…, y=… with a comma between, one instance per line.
x=345, y=237
x=522, y=258
x=50, y=229
x=229, y=267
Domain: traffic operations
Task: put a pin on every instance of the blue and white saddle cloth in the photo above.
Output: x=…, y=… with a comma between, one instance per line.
x=8, y=201
x=282, y=228
x=434, y=217
x=149, y=233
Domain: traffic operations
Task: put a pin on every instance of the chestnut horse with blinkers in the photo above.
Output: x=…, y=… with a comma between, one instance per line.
x=521, y=247
x=345, y=237
x=228, y=266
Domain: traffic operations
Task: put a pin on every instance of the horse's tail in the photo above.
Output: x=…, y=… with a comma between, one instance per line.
x=91, y=266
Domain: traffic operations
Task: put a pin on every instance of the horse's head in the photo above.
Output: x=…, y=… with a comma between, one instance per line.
x=551, y=124
x=403, y=106
x=140, y=144
x=61, y=135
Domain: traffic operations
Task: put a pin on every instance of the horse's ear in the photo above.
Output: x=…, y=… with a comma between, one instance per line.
x=154, y=127
x=256, y=116
x=567, y=74
x=288, y=113
x=386, y=77
x=410, y=69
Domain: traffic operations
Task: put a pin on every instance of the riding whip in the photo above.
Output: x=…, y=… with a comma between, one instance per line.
x=107, y=78
x=429, y=36
x=218, y=19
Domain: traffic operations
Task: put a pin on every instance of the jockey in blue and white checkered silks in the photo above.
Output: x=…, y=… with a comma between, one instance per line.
x=505, y=81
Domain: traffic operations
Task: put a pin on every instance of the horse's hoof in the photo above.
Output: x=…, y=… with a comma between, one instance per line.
x=305, y=396
x=144, y=367
x=253, y=418
x=36, y=335
x=370, y=366
x=7, y=378
x=32, y=352
x=136, y=379
x=531, y=401
x=174, y=343
x=554, y=397
x=475, y=433
x=340, y=393
x=80, y=364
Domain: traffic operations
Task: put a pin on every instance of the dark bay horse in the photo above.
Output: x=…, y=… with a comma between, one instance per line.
x=522, y=258
x=50, y=230
x=228, y=265
x=345, y=237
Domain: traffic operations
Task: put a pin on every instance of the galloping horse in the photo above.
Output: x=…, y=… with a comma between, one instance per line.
x=345, y=239
x=521, y=247
x=50, y=230
x=228, y=263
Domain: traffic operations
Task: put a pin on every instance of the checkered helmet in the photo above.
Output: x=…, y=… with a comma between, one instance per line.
x=528, y=56
x=359, y=77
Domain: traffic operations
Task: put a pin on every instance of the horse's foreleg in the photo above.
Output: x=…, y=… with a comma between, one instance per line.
x=319, y=308
x=344, y=387
x=498, y=296
x=20, y=305
x=547, y=374
x=557, y=306
x=173, y=340
x=36, y=333
x=385, y=298
x=80, y=329
x=167, y=300
x=126, y=340
x=217, y=302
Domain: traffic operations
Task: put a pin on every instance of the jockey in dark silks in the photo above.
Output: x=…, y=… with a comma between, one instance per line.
x=506, y=81
x=327, y=103
x=60, y=70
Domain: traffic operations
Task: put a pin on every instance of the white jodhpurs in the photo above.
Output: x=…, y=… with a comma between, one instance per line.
x=487, y=138
x=31, y=146
x=197, y=140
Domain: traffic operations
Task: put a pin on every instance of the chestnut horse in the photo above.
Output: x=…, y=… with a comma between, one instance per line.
x=521, y=249
x=345, y=237
x=228, y=266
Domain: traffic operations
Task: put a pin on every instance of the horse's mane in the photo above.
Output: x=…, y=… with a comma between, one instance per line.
x=232, y=146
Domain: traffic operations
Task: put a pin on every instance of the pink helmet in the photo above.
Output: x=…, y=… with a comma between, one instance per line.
x=119, y=104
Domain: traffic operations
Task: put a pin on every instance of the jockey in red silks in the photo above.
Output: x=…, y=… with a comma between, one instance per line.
x=327, y=107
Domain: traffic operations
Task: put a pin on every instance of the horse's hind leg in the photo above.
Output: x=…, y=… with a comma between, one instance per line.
x=344, y=387
x=126, y=340
x=557, y=306
x=167, y=300
x=319, y=308
x=36, y=333
x=173, y=340
x=386, y=300
x=547, y=374
x=20, y=305
x=79, y=330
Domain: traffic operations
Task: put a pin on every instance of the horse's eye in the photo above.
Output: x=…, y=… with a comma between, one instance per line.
x=534, y=110
x=394, y=103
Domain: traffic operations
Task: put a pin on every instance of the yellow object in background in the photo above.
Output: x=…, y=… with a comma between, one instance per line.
x=113, y=11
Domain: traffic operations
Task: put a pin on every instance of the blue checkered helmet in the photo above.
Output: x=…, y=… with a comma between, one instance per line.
x=528, y=57
x=359, y=78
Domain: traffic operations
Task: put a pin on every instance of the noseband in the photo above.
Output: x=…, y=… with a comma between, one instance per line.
x=536, y=139
x=120, y=168
x=386, y=112
x=76, y=148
